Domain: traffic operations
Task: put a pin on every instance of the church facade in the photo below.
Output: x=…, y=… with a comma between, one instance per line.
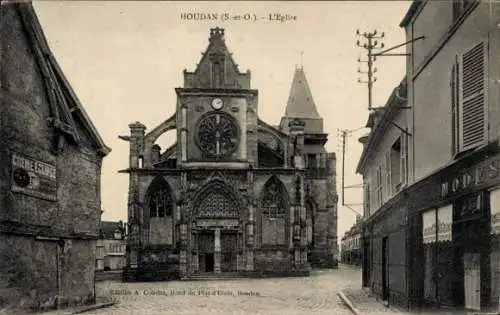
x=233, y=195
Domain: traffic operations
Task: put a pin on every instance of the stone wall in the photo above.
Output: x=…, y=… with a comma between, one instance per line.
x=47, y=245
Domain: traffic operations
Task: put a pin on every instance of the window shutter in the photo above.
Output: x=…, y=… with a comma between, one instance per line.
x=379, y=186
x=367, y=199
x=388, y=174
x=473, y=122
x=404, y=159
x=454, y=108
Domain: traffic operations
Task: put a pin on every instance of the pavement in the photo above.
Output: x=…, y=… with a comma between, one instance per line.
x=316, y=294
x=361, y=302
x=326, y=291
x=101, y=302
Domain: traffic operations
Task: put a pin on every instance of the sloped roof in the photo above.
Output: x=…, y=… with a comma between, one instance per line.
x=217, y=49
x=300, y=101
x=108, y=229
x=65, y=105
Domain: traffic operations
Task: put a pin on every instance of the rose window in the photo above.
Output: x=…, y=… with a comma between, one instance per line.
x=217, y=135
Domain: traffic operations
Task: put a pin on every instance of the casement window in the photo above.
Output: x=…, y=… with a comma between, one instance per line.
x=378, y=187
x=395, y=160
x=469, y=99
x=403, y=173
x=371, y=190
x=388, y=172
x=367, y=195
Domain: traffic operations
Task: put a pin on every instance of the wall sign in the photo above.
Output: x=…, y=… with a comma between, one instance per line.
x=34, y=178
x=485, y=173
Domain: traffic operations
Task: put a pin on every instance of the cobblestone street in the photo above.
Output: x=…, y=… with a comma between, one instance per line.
x=316, y=294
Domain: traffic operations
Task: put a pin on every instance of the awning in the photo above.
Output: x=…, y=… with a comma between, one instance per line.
x=495, y=211
x=445, y=223
x=429, y=226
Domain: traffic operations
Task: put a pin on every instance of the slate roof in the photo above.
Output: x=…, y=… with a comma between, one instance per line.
x=300, y=101
x=107, y=229
x=65, y=106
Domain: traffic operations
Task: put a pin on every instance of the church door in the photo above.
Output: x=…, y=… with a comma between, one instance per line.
x=206, y=251
x=229, y=250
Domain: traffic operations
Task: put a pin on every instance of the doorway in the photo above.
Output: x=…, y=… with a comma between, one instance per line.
x=229, y=249
x=472, y=281
x=385, y=269
x=206, y=259
x=209, y=262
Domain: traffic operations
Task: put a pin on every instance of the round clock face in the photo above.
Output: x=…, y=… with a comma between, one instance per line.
x=217, y=134
x=217, y=103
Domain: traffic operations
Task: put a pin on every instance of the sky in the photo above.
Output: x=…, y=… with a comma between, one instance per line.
x=124, y=59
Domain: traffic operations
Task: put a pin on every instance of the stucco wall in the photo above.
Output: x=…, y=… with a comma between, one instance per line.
x=431, y=87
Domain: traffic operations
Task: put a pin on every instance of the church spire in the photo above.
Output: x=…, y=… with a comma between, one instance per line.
x=300, y=101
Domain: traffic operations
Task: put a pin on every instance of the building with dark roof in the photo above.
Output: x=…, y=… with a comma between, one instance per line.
x=234, y=194
x=350, y=244
x=111, y=246
x=50, y=167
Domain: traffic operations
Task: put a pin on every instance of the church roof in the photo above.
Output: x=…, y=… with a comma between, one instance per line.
x=217, y=50
x=300, y=101
x=65, y=105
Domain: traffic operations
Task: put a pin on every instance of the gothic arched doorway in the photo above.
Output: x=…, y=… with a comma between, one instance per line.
x=215, y=229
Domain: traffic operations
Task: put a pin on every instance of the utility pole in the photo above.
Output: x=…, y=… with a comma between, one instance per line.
x=370, y=45
x=344, y=135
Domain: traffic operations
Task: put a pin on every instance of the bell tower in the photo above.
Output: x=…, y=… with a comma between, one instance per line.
x=217, y=110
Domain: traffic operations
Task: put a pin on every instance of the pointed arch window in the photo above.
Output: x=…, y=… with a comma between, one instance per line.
x=274, y=207
x=159, y=200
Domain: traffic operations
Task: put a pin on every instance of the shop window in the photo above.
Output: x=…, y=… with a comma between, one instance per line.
x=495, y=247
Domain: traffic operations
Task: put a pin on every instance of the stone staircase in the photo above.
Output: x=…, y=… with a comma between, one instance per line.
x=213, y=276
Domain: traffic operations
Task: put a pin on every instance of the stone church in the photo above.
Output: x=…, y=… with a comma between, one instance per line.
x=233, y=195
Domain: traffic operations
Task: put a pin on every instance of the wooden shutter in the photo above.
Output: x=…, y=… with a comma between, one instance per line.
x=473, y=110
x=404, y=159
x=454, y=78
x=379, y=186
x=367, y=196
x=388, y=184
